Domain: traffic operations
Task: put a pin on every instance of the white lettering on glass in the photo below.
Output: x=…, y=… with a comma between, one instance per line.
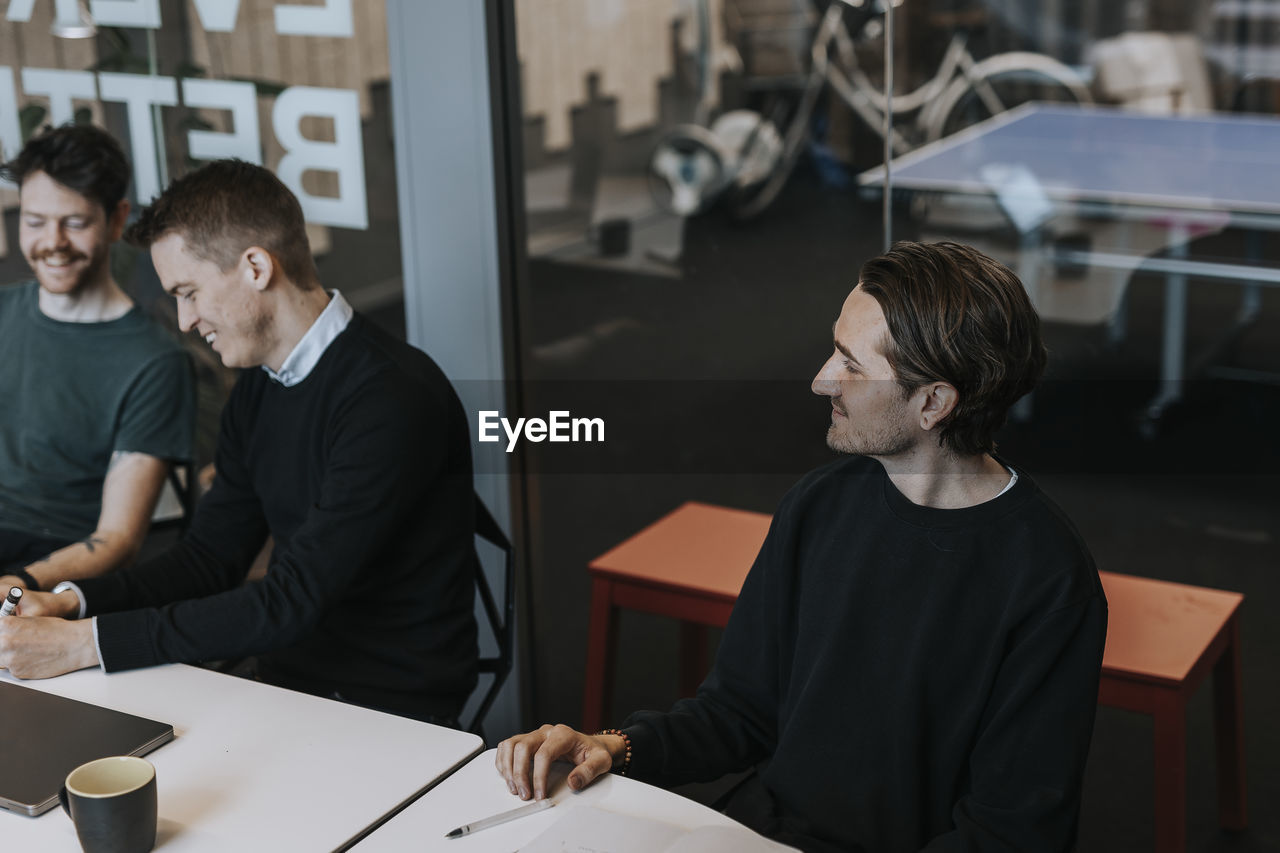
x=139, y=92
x=62, y=88
x=344, y=156
x=331, y=19
x=244, y=141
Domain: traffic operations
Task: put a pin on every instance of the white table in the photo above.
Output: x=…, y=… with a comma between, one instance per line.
x=255, y=767
x=477, y=791
x=1186, y=174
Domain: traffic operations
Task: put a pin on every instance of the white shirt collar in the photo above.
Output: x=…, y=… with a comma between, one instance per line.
x=304, y=357
x=1013, y=478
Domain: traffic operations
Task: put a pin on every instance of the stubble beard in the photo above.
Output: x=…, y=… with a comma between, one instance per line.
x=885, y=441
x=259, y=329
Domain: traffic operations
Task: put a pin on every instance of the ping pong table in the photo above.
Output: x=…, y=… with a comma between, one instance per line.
x=1185, y=174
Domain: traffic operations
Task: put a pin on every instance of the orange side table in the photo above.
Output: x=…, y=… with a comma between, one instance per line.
x=688, y=565
x=1163, y=640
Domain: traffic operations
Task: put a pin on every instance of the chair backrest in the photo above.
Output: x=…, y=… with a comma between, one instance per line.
x=1258, y=92
x=180, y=487
x=501, y=622
x=1153, y=72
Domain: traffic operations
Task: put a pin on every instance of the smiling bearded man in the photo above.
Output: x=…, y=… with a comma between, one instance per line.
x=97, y=400
x=346, y=446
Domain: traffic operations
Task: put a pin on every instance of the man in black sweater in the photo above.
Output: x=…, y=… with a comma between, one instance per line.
x=913, y=661
x=349, y=448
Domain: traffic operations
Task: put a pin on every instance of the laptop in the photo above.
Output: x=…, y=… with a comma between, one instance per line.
x=45, y=737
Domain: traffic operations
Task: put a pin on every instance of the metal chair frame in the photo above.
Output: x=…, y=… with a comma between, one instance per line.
x=502, y=623
x=185, y=487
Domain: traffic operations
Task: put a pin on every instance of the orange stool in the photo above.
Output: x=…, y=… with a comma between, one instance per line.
x=1163, y=640
x=688, y=565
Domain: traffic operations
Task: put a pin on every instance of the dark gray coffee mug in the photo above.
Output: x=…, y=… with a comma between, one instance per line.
x=112, y=802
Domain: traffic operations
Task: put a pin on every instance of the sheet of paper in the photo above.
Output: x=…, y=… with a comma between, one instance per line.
x=725, y=839
x=585, y=829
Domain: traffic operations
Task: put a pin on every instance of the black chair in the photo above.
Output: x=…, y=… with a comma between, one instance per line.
x=502, y=624
x=182, y=479
x=166, y=530
x=1257, y=93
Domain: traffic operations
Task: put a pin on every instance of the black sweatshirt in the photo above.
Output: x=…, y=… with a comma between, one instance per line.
x=906, y=678
x=362, y=474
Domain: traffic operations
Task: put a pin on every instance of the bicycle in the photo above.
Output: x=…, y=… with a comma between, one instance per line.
x=743, y=154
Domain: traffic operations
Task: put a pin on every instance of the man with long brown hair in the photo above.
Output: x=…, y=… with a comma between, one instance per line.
x=913, y=661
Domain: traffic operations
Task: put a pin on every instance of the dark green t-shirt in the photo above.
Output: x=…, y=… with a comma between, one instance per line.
x=71, y=394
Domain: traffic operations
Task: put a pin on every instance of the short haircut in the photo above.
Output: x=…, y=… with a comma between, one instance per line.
x=223, y=208
x=81, y=157
x=960, y=317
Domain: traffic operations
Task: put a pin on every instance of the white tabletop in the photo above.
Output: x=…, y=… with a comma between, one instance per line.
x=255, y=767
x=1218, y=162
x=477, y=791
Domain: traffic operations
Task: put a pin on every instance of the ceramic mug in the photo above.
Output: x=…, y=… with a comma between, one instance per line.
x=112, y=802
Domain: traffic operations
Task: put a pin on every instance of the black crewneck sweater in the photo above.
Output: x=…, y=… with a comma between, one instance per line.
x=906, y=678
x=362, y=474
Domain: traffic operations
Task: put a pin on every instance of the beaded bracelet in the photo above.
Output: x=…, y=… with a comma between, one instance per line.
x=626, y=756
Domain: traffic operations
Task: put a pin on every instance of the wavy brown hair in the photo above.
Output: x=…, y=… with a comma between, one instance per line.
x=960, y=317
x=81, y=157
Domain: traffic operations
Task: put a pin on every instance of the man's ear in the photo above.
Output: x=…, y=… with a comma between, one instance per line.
x=257, y=267
x=939, y=400
x=117, y=219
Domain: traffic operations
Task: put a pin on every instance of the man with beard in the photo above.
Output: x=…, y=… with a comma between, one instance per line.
x=96, y=399
x=913, y=661
x=346, y=445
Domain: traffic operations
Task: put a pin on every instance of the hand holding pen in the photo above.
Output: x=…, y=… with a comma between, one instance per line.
x=11, y=601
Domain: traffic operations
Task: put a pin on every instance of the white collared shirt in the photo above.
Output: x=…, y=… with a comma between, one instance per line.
x=304, y=357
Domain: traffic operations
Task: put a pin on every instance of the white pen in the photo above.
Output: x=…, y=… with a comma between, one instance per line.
x=485, y=823
x=11, y=601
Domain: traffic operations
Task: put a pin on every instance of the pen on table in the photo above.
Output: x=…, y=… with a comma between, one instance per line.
x=485, y=823
x=11, y=601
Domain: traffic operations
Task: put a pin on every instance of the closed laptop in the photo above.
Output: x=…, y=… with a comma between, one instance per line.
x=48, y=736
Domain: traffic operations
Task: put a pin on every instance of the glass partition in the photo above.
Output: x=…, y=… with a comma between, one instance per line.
x=692, y=225
x=703, y=178
x=300, y=88
x=1140, y=213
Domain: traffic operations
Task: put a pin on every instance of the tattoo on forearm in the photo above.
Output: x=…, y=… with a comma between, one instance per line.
x=92, y=542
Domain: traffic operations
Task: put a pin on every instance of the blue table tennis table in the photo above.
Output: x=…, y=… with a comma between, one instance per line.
x=1189, y=174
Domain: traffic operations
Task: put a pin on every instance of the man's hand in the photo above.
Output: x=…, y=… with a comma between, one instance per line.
x=65, y=605
x=41, y=647
x=591, y=755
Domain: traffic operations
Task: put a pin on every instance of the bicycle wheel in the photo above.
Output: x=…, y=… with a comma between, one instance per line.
x=999, y=83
